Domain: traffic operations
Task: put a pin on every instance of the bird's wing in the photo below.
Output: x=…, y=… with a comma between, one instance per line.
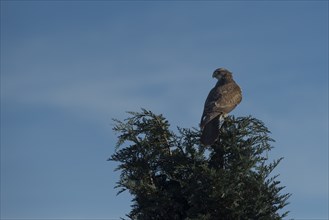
x=221, y=99
x=229, y=97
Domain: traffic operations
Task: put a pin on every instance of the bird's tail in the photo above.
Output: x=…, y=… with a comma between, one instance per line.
x=210, y=132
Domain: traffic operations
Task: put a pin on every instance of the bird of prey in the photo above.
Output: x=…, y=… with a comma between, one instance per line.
x=222, y=99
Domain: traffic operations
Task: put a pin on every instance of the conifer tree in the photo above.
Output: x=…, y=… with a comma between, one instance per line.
x=171, y=176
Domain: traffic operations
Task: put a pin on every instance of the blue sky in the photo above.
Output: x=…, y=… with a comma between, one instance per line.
x=67, y=68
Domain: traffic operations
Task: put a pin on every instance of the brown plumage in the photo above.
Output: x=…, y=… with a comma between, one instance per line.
x=222, y=99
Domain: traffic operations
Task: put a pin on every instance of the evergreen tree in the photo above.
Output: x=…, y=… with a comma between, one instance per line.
x=171, y=176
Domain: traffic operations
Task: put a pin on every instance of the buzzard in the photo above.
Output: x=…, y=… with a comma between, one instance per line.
x=222, y=99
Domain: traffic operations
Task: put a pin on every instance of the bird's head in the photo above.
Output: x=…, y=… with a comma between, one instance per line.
x=221, y=73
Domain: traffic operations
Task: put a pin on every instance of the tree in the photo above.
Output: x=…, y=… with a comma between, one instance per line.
x=171, y=176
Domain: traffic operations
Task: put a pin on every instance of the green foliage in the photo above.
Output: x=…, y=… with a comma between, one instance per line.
x=171, y=176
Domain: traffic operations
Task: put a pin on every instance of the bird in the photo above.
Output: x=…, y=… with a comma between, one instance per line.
x=222, y=99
